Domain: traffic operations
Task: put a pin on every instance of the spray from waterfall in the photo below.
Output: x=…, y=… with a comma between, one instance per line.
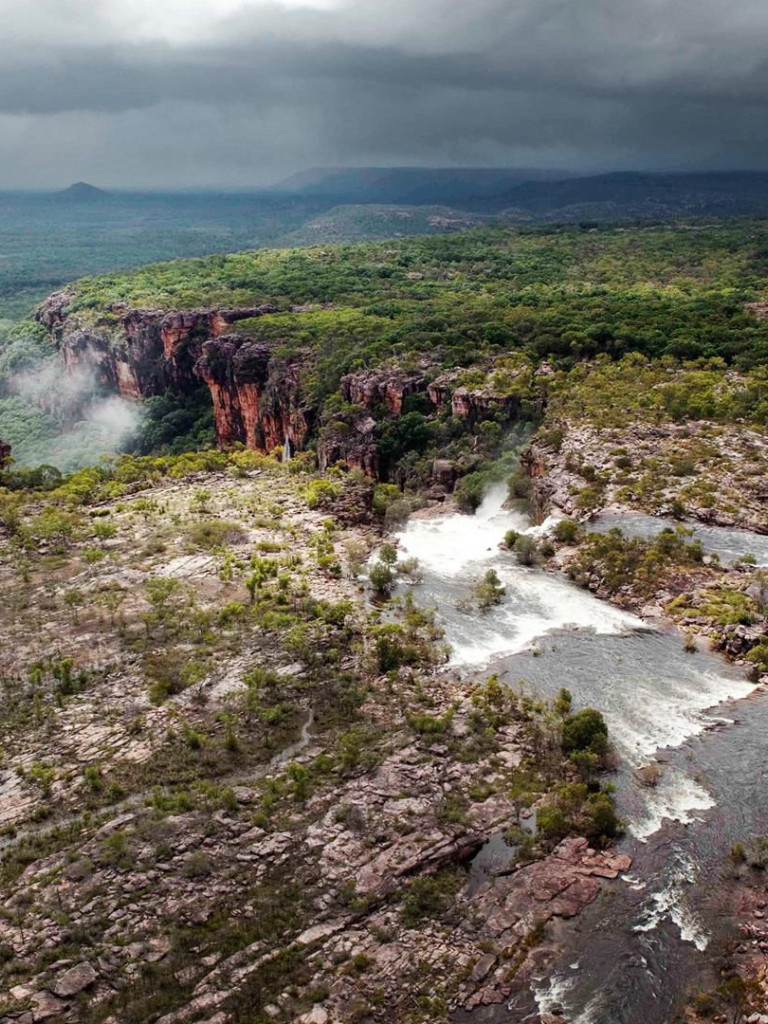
x=61, y=419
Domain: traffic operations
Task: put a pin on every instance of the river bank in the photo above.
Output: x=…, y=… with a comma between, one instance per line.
x=664, y=706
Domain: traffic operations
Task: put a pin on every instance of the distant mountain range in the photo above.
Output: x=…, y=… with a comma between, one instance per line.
x=414, y=185
x=535, y=195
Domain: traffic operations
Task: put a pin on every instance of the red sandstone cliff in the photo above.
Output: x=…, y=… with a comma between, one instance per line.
x=257, y=399
x=257, y=396
x=138, y=352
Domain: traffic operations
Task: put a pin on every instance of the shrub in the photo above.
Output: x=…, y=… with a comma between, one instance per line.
x=566, y=531
x=430, y=896
x=431, y=725
x=215, y=533
x=489, y=591
x=321, y=493
x=585, y=730
x=526, y=549
x=519, y=486
x=469, y=492
x=382, y=579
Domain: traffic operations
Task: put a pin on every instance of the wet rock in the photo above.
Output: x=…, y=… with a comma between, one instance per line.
x=444, y=473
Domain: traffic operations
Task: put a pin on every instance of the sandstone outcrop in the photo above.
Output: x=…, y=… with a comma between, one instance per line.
x=137, y=352
x=256, y=399
x=259, y=399
x=390, y=387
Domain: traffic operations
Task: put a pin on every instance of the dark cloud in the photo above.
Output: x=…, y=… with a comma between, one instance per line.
x=216, y=92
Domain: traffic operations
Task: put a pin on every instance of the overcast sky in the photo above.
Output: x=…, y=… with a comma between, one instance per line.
x=140, y=93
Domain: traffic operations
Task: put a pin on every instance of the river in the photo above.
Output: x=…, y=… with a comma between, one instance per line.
x=631, y=957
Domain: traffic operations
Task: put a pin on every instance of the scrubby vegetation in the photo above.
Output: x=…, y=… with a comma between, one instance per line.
x=221, y=692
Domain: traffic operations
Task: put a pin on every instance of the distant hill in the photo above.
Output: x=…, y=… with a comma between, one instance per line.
x=531, y=194
x=82, y=192
x=411, y=185
x=368, y=221
x=639, y=195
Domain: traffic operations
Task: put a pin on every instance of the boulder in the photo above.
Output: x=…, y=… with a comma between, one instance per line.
x=77, y=978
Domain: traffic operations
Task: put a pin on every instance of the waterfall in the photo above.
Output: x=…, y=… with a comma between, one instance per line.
x=287, y=452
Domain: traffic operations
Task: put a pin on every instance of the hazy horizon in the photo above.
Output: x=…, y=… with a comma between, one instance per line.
x=194, y=94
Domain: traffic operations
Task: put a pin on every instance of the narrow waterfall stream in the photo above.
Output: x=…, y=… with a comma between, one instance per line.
x=630, y=958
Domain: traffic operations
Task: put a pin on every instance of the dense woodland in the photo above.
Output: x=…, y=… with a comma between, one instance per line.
x=657, y=319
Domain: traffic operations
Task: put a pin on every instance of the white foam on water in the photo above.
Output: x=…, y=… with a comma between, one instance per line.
x=447, y=545
x=633, y=883
x=552, y=996
x=545, y=528
x=555, y=997
x=655, y=707
x=670, y=902
x=457, y=549
x=659, y=717
x=676, y=797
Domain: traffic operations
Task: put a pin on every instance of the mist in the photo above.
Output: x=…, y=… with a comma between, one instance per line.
x=51, y=417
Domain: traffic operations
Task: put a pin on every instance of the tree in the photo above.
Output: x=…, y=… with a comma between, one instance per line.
x=525, y=549
x=489, y=591
x=586, y=730
x=382, y=578
x=563, y=702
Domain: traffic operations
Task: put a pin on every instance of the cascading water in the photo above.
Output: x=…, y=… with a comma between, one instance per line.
x=646, y=942
x=287, y=452
x=456, y=550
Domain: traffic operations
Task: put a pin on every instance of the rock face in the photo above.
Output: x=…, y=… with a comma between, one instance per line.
x=256, y=399
x=351, y=445
x=5, y=452
x=74, y=980
x=137, y=352
x=390, y=387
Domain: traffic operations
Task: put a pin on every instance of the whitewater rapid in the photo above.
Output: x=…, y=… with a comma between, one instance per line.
x=549, y=633
x=455, y=550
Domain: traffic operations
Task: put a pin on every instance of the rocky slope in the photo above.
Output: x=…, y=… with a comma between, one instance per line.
x=709, y=472
x=232, y=789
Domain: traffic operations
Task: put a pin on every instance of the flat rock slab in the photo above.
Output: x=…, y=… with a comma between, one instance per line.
x=74, y=980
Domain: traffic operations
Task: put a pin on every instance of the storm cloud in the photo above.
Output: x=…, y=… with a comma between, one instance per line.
x=141, y=93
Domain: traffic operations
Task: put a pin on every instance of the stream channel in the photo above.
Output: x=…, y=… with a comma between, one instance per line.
x=630, y=957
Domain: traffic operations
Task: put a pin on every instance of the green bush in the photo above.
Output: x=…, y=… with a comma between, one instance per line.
x=526, y=549
x=566, y=531
x=585, y=730
x=489, y=591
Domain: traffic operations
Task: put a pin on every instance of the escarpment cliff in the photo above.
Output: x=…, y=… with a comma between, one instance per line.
x=259, y=394
x=137, y=352
x=257, y=399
